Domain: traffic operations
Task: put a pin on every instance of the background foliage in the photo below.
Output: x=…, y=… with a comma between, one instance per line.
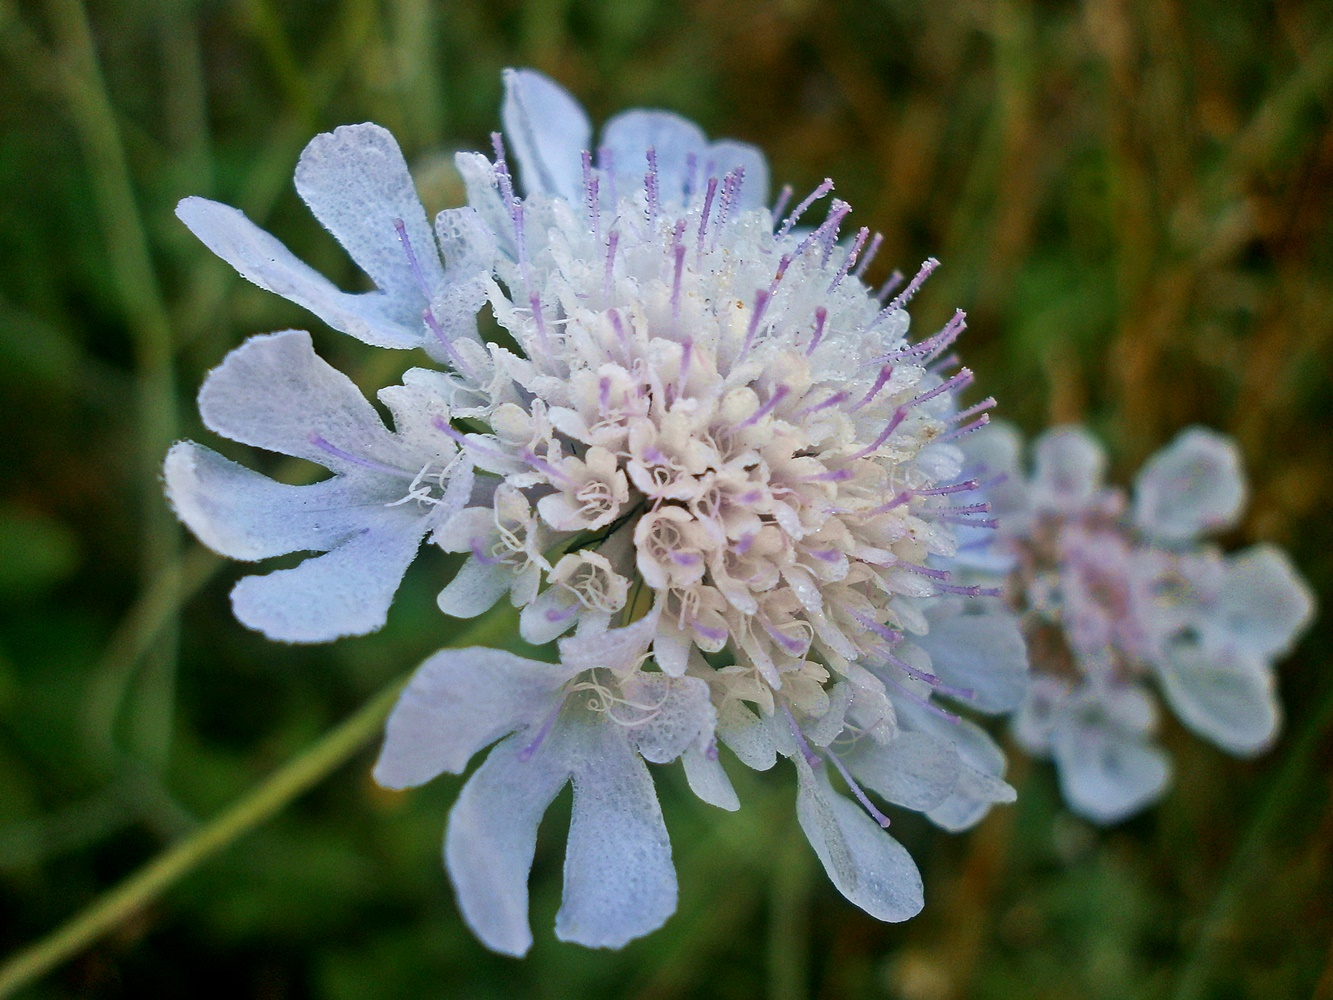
x=1132, y=199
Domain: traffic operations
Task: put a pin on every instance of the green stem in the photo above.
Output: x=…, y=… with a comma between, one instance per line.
x=114, y=906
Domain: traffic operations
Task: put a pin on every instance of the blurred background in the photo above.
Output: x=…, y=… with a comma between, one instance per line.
x=1131, y=199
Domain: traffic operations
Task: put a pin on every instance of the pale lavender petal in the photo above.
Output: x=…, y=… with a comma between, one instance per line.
x=868, y=866
x=617, y=648
x=548, y=132
x=914, y=770
x=467, y=243
x=680, y=714
x=675, y=141
x=260, y=258
x=1106, y=775
x=977, y=646
x=356, y=182
x=244, y=515
x=1265, y=605
x=620, y=882
x=708, y=779
x=1193, y=486
x=747, y=735
x=1223, y=695
x=274, y=392
x=1069, y=466
x=475, y=588
x=457, y=702
x=344, y=592
x=981, y=766
x=491, y=838
x=725, y=156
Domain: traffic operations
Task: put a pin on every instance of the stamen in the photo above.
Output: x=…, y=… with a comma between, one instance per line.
x=535, y=301
x=866, y=804
x=885, y=374
x=905, y=296
x=731, y=185
x=850, y=259
x=890, y=285
x=612, y=242
x=678, y=251
x=650, y=186
x=875, y=244
x=703, y=222
x=821, y=317
x=810, y=756
x=761, y=298
x=366, y=463
x=810, y=199
x=778, y=396
x=958, y=432
x=951, y=588
x=780, y=205
x=925, y=703
x=592, y=198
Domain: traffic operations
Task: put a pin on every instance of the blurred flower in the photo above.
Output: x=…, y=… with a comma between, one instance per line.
x=1116, y=594
x=706, y=431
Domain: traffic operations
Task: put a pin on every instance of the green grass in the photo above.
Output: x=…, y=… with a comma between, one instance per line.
x=1134, y=202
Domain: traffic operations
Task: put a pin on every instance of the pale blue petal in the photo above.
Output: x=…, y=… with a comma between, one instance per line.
x=1068, y=469
x=475, y=588
x=681, y=714
x=869, y=867
x=725, y=156
x=345, y=592
x=746, y=735
x=457, y=702
x=259, y=258
x=977, y=645
x=1193, y=486
x=915, y=770
x=616, y=648
x=620, y=882
x=274, y=392
x=1223, y=695
x=356, y=182
x=676, y=142
x=981, y=766
x=1265, y=605
x=708, y=779
x=1106, y=775
x=244, y=515
x=467, y=243
x=548, y=132
x=491, y=838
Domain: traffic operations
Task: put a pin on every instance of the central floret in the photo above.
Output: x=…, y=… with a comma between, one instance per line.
x=712, y=405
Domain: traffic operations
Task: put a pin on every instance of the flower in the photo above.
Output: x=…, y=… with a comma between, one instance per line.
x=708, y=451
x=1116, y=594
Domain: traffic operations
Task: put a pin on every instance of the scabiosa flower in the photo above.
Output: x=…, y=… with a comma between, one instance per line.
x=1119, y=594
x=708, y=451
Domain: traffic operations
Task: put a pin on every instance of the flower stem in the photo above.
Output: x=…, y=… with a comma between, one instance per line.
x=114, y=906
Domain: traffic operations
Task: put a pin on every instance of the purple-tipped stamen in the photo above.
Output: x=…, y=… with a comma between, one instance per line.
x=850, y=259
x=861, y=797
x=791, y=220
x=366, y=463
x=875, y=243
x=779, y=394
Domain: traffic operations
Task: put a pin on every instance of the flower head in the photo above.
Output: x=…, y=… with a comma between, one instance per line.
x=707, y=450
x=1119, y=592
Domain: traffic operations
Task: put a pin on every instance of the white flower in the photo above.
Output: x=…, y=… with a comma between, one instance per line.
x=389, y=488
x=711, y=433
x=1118, y=594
